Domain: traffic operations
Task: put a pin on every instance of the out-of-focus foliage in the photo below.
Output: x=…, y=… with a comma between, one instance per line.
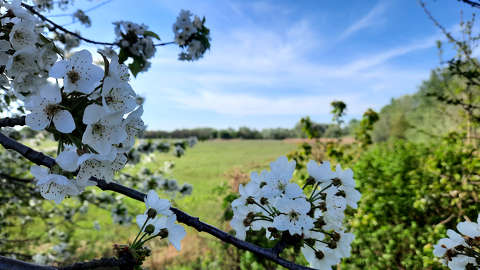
x=419, y=117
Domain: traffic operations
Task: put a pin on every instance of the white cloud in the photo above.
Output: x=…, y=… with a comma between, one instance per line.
x=245, y=104
x=371, y=18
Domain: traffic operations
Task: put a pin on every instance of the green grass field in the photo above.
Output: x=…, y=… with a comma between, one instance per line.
x=213, y=168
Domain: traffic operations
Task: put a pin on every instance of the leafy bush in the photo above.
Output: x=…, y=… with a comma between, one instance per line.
x=411, y=193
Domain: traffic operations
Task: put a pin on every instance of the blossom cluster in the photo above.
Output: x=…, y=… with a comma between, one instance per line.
x=191, y=35
x=92, y=112
x=460, y=251
x=163, y=226
x=272, y=202
x=135, y=41
x=105, y=116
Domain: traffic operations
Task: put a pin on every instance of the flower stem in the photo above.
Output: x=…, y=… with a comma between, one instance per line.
x=141, y=230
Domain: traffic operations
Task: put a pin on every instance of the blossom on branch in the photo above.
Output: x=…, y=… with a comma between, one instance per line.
x=53, y=186
x=271, y=201
x=460, y=251
x=78, y=73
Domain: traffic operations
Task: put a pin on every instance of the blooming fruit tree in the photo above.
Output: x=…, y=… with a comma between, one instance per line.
x=95, y=115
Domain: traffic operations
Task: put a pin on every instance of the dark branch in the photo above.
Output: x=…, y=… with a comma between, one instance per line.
x=30, y=154
x=471, y=3
x=85, y=11
x=104, y=263
x=63, y=29
x=270, y=254
x=163, y=44
x=280, y=245
x=12, y=264
x=11, y=122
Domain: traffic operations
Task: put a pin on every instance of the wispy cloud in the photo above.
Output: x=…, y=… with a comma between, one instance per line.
x=254, y=71
x=371, y=18
x=245, y=104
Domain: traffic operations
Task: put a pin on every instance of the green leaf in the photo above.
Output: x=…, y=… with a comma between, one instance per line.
x=150, y=34
x=122, y=56
x=136, y=66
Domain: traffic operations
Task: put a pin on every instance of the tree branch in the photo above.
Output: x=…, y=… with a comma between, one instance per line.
x=471, y=3
x=12, y=264
x=267, y=253
x=11, y=122
x=65, y=30
x=104, y=263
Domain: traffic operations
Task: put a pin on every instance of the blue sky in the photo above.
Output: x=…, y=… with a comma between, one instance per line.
x=273, y=62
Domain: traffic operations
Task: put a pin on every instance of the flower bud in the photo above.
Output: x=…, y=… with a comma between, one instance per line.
x=332, y=245
x=341, y=193
x=163, y=233
x=264, y=201
x=151, y=213
x=149, y=229
x=336, y=236
x=310, y=181
x=322, y=206
x=319, y=254
x=310, y=241
x=319, y=223
x=248, y=221
x=336, y=182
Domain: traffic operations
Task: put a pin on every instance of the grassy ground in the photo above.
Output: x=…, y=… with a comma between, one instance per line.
x=213, y=168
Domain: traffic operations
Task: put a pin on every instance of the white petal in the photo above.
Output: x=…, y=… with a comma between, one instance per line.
x=92, y=114
x=51, y=92
x=141, y=220
x=59, y=69
x=175, y=235
x=68, y=160
x=38, y=171
x=4, y=45
x=37, y=120
x=63, y=121
x=81, y=58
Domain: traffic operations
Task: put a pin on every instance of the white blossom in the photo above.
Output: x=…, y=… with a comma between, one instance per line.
x=23, y=35
x=176, y=232
x=470, y=229
x=78, y=73
x=293, y=216
x=103, y=129
x=322, y=173
x=161, y=206
x=53, y=186
x=45, y=109
x=68, y=159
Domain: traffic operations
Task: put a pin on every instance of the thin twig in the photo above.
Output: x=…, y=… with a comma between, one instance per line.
x=84, y=11
x=267, y=253
x=65, y=30
x=471, y=3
